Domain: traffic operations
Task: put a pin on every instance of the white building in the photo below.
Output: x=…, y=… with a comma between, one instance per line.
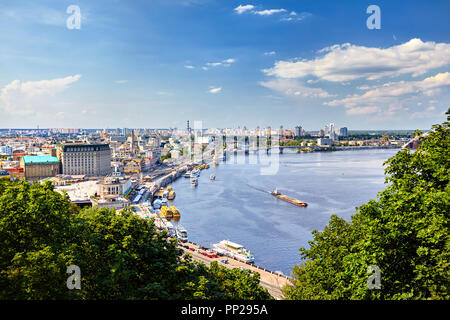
x=324, y=142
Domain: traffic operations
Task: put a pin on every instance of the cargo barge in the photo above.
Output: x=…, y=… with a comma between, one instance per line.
x=286, y=198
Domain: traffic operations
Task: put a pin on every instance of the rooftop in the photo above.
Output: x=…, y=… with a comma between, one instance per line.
x=40, y=159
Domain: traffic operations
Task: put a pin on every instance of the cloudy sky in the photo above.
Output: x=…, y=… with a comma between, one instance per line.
x=228, y=63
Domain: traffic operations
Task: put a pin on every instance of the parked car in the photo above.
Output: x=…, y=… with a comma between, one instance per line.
x=224, y=261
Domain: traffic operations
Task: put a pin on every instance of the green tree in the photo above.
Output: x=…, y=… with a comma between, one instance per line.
x=120, y=255
x=405, y=233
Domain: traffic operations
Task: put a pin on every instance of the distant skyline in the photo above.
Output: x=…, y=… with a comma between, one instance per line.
x=156, y=64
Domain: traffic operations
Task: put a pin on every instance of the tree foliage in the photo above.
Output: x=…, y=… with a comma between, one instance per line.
x=120, y=255
x=405, y=233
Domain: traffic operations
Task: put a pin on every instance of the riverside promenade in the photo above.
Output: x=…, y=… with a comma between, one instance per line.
x=272, y=281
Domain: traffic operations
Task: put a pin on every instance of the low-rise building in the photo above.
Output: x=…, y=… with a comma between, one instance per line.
x=39, y=167
x=324, y=142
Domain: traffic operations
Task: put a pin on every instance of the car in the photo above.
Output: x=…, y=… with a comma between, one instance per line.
x=192, y=249
x=224, y=261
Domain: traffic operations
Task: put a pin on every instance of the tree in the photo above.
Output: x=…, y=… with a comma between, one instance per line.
x=405, y=233
x=120, y=255
x=237, y=283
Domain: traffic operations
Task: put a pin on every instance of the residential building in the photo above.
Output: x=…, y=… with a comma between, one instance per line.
x=343, y=132
x=298, y=131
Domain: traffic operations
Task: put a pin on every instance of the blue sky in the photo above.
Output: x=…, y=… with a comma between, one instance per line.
x=227, y=63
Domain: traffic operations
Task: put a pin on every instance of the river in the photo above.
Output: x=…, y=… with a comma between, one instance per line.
x=231, y=208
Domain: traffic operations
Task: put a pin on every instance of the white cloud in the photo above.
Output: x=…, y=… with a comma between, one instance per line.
x=270, y=53
x=224, y=63
x=362, y=110
x=214, y=64
x=348, y=62
x=215, y=90
x=25, y=98
x=269, y=12
x=121, y=81
x=241, y=9
x=387, y=91
x=189, y=67
x=293, y=88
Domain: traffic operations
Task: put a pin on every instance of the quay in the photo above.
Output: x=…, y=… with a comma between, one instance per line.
x=270, y=280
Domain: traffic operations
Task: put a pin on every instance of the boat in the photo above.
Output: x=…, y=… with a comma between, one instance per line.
x=171, y=195
x=212, y=177
x=187, y=174
x=170, y=228
x=286, y=198
x=175, y=212
x=157, y=204
x=166, y=212
x=194, y=181
x=181, y=233
x=164, y=202
x=195, y=173
x=233, y=250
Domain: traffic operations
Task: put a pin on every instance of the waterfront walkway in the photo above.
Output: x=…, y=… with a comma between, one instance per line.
x=270, y=280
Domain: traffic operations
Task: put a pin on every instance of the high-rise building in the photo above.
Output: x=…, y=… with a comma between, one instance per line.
x=6, y=150
x=87, y=159
x=343, y=132
x=298, y=131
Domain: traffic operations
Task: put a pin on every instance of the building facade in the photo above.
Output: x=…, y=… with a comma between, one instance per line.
x=92, y=160
x=343, y=132
x=39, y=167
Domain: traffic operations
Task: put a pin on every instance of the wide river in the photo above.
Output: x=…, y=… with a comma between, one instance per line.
x=230, y=207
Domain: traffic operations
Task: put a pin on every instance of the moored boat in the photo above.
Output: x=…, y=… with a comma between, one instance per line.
x=233, y=250
x=166, y=213
x=181, y=233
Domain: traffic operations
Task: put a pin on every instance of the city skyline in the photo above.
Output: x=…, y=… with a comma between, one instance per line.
x=154, y=65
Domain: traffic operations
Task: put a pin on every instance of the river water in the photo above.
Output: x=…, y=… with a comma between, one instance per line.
x=230, y=207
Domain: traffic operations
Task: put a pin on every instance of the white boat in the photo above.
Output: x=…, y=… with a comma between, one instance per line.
x=187, y=174
x=164, y=202
x=212, y=177
x=195, y=173
x=233, y=250
x=170, y=228
x=194, y=181
x=157, y=204
x=181, y=233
